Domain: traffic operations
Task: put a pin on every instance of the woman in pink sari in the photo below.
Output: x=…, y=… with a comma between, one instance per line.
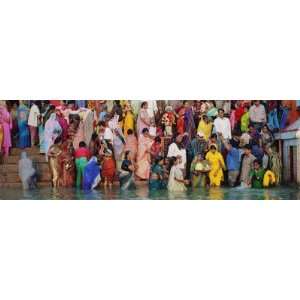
x=131, y=144
x=63, y=124
x=143, y=155
x=6, y=124
x=143, y=120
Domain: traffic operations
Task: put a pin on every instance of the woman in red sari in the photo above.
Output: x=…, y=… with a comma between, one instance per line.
x=67, y=163
x=180, y=120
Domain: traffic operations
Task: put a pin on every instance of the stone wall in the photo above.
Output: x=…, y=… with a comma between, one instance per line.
x=286, y=160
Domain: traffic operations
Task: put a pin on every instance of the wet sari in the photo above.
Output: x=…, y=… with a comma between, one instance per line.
x=67, y=164
x=126, y=176
x=131, y=144
x=91, y=174
x=156, y=181
x=27, y=173
x=54, y=164
x=6, y=124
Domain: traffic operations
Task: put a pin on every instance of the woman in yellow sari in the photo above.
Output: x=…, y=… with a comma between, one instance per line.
x=128, y=118
x=205, y=126
x=216, y=175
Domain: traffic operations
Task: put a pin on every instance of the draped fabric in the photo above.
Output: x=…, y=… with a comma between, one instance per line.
x=52, y=131
x=143, y=157
x=91, y=174
x=6, y=124
x=26, y=171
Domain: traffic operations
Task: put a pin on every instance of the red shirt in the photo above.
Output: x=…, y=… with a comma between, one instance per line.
x=82, y=152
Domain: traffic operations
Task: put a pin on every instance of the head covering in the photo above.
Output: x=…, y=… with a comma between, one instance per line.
x=169, y=108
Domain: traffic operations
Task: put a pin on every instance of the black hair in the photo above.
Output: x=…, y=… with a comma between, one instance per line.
x=247, y=146
x=102, y=123
x=94, y=136
x=212, y=146
x=257, y=161
x=143, y=104
x=58, y=140
x=145, y=130
x=214, y=135
x=220, y=109
x=172, y=162
x=157, y=139
x=158, y=159
x=129, y=131
x=126, y=154
x=82, y=144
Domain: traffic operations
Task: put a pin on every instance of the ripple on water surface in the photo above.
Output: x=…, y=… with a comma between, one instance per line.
x=142, y=192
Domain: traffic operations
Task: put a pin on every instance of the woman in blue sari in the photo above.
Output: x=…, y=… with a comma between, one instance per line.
x=156, y=181
x=22, y=117
x=91, y=174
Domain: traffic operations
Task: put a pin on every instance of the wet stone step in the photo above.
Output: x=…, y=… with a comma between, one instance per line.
x=15, y=159
x=17, y=151
x=18, y=185
x=13, y=168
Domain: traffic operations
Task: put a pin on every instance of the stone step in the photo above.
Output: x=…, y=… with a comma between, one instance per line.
x=14, y=177
x=18, y=185
x=42, y=167
x=32, y=150
x=14, y=159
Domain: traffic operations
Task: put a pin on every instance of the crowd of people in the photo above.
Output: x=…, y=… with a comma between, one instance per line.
x=168, y=144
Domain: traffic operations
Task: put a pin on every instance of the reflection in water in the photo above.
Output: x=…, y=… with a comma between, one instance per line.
x=142, y=192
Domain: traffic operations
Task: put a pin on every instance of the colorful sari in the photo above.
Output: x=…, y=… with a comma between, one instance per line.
x=52, y=131
x=216, y=175
x=55, y=168
x=91, y=174
x=22, y=117
x=131, y=144
x=143, y=157
x=108, y=169
x=6, y=121
x=67, y=165
x=180, y=121
x=156, y=181
x=126, y=176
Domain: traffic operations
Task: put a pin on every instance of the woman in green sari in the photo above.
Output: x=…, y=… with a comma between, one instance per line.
x=156, y=181
x=199, y=170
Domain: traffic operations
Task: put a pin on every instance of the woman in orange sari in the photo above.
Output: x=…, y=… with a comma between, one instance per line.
x=143, y=155
x=131, y=144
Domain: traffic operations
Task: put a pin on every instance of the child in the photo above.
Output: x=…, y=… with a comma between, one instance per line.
x=108, y=168
x=152, y=129
x=168, y=120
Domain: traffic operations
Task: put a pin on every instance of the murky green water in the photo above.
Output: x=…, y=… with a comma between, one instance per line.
x=142, y=192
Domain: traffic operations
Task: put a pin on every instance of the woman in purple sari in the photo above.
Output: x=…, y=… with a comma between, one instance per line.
x=189, y=123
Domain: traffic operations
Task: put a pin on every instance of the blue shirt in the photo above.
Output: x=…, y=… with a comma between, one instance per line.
x=233, y=159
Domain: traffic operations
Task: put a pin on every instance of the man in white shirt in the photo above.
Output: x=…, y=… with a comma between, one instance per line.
x=222, y=125
x=33, y=122
x=175, y=150
x=257, y=114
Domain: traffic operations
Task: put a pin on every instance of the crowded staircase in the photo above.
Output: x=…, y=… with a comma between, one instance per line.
x=9, y=177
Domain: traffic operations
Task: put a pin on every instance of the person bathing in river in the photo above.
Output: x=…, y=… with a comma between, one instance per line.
x=176, y=183
x=199, y=171
x=27, y=173
x=157, y=175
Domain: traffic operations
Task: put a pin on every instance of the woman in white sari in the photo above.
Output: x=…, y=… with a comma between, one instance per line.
x=27, y=173
x=176, y=180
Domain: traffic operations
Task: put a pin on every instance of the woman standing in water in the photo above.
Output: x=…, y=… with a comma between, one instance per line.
x=157, y=173
x=143, y=156
x=27, y=173
x=176, y=180
x=126, y=174
x=215, y=158
x=199, y=171
x=54, y=162
x=67, y=164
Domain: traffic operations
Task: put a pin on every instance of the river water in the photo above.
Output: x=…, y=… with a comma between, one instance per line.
x=142, y=192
